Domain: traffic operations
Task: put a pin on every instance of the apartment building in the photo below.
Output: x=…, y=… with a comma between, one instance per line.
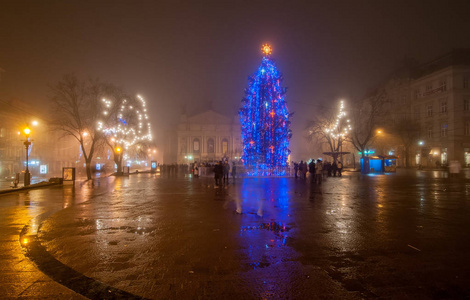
x=440, y=97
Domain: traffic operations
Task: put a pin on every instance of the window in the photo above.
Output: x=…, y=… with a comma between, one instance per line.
x=196, y=146
x=467, y=128
x=430, y=132
x=224, y=146
x=443, y=106
x=428, y=87
x=416, y=94
x=210, y=145
x=444, y=129
x=466, y=104
x=429, y=110
x=466, y=83
x=443, y=85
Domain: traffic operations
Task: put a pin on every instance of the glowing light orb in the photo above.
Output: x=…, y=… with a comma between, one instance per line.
x=266, y=49
x=27, y=131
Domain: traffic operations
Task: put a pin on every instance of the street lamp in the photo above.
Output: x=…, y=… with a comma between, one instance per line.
x=119, y=159
x=27, y=143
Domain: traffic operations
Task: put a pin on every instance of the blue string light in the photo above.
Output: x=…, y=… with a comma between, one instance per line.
x=264, y=119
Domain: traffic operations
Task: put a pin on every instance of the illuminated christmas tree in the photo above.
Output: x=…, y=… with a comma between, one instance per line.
x=265, y=121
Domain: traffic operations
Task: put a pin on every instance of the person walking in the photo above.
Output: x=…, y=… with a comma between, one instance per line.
x=296, y=169
x=334, y=168
x=196, y=169
x=226, y=171
x=319, y=171
x=311, y=170
x=327, y=168
x=304, y=171
x=218, y=173
x=340, y=168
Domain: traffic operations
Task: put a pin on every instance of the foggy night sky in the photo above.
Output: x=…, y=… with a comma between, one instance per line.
x=181, y=52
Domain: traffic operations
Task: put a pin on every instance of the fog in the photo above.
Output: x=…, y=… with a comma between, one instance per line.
x=180, y=54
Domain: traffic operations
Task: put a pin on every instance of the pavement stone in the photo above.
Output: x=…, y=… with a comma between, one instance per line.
x=399, y=236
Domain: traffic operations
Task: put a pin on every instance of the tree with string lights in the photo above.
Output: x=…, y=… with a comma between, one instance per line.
x=125, y=127
x=332, y=130
x=265, y=121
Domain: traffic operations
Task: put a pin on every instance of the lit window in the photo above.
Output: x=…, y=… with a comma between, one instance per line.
x=196, y=145
x=224, y=146
x=210, y=146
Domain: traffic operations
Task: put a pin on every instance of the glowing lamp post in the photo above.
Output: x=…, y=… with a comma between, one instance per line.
x=27, y=143
x=119, y=153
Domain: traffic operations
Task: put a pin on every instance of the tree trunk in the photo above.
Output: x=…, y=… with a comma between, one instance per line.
x=118, y=163
x=88, y=168
x=407, y=157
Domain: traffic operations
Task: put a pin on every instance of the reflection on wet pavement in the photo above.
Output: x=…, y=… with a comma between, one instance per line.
x=352, y=237
x=19, y=277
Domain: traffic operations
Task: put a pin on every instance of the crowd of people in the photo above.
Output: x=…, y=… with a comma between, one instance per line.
x=317, y=170
x=221, y=169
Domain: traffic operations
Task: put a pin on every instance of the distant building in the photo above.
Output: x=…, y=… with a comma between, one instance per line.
x=440, y=94
x=48, y=153
x=204, y=137
x=428, y=110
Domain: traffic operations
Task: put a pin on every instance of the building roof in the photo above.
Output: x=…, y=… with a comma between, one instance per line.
x=456, y=57
x=210, y=117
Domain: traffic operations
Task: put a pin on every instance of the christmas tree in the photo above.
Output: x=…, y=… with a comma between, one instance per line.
x=265, y=121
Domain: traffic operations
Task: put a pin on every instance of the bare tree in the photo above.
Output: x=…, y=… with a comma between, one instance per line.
x=408, y=132
x=75, y=111
x=366, y=117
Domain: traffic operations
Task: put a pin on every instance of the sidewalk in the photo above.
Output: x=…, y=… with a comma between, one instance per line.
x=352, y=237
x=30, y=187
x=19, y=276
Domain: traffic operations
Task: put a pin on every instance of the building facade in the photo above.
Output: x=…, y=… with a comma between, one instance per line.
x=48, y=152
x=204, y=137
x=441, y=103
x=429, y=108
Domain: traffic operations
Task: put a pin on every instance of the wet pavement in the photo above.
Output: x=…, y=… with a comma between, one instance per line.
x=398, y=236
